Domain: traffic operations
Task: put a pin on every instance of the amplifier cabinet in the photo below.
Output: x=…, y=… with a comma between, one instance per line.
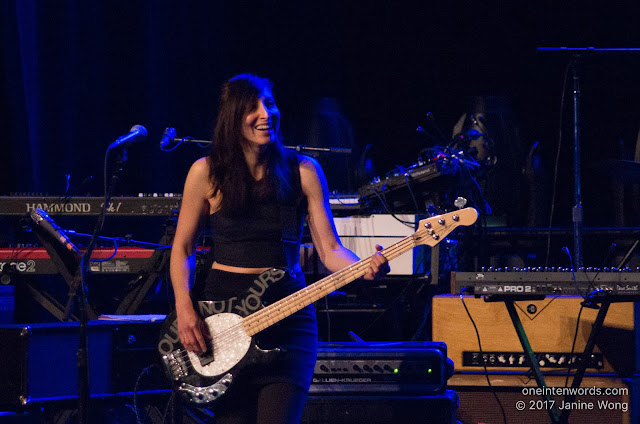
x=549, y=324
x=39, y=360
x=479, y=405
x=437, y=409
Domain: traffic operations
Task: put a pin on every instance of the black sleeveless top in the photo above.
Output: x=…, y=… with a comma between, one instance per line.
x=268, y=234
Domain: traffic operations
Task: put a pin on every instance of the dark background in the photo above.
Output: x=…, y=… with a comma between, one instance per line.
x=76, y=75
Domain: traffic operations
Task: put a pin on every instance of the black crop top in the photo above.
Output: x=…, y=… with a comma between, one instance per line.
x=268, y=236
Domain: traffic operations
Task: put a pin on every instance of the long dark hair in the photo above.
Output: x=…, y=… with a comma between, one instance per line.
x=229, y=172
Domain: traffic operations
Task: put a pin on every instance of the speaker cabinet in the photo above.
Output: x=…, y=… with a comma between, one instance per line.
x=479, y=405
x=381, y=409
x=550, y=325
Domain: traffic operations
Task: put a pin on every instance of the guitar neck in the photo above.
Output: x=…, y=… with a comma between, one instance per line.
x=285, y=307
x=430, y=232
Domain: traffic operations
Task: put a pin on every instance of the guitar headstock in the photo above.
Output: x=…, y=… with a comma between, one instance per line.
x=433, y=230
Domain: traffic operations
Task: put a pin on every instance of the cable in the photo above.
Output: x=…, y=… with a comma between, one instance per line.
x=557, y=162
x=170, y=404
x=413, y=197
x=384, y=204
x=144, y=372
x=389, y=308
x=326, y=308
x=182, y=140
x=584, y=303
x=484, y=364
x=573, y=345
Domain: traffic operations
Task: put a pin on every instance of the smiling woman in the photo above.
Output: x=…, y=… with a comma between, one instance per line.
x=261, y=124
x=256, y=196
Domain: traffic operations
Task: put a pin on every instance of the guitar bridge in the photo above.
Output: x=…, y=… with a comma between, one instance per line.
x=176, y=364
x=205, y=395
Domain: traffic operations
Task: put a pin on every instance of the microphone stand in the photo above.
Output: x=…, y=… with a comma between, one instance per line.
x=83, y=304
x=304, y=149
x=296, y=148
x=577, y=214
x=577, y=211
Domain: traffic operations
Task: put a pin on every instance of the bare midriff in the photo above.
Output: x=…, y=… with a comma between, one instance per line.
x=237, y=269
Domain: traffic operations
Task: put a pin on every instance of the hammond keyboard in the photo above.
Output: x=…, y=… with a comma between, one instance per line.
x=143, y=205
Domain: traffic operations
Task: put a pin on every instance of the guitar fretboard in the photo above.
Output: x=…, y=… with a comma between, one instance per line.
x=431, y=231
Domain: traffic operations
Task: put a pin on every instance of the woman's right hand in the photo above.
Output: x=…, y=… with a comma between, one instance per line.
x=192, y=330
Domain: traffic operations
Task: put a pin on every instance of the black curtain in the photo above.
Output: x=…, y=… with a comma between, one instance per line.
x=76, y=75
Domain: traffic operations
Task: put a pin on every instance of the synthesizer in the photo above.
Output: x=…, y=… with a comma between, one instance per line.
x=144, y=205
x=36, y=260
x=534, y=282
x=416, y=174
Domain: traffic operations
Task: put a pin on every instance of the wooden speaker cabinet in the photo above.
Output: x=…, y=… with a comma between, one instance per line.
x=605, y=400
x=550, y=325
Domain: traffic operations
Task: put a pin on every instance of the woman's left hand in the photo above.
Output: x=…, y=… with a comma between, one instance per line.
x=378, y=267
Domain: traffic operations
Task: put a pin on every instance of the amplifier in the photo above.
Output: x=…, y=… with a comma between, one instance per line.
x=550, y=325
x=39, y=360
x=381, y=367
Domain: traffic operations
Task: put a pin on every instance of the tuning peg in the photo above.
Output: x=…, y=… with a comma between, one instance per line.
x=460, y=202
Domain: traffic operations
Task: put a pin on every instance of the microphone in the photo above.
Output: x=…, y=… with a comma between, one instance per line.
x=169, y=134
x=136, y=133
x=44, y=221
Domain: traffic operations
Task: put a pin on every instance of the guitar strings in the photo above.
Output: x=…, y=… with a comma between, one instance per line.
x=227, y=336
x=222, y=339
x=252, y=324
x=315, y=291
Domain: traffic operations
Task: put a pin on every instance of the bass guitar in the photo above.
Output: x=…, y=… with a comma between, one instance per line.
x=203, y=379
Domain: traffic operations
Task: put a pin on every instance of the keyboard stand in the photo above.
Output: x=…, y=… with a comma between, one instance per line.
x=604, y=301
x=526, y=346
